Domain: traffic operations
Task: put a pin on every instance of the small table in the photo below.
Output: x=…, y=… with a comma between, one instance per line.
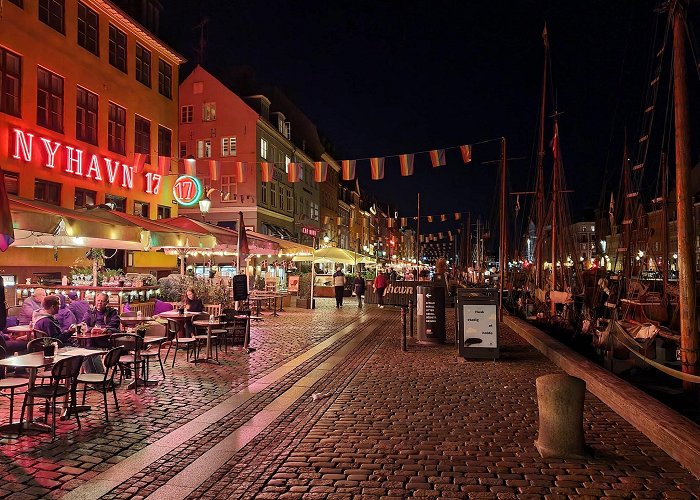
x=32, y=362
x=181, y=319
x=209, y=324
x=86, y=338
x=20, y=330
x=132, y=321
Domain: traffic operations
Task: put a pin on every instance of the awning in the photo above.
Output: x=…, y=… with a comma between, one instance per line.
x=279, y=232
x=338, y=255
x=286, y=247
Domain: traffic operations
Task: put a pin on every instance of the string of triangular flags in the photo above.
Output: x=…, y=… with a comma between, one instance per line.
x=294, y=169
x=442, y=235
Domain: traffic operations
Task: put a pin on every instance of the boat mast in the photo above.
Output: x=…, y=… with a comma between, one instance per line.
x=690, y=341
x=664, y=221
x=555, y=205
x=539, y=183
x=504, y=237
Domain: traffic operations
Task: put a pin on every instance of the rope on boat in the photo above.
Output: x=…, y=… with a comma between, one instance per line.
x=624, y=337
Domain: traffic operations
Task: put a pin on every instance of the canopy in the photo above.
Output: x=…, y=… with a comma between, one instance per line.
x=333, y=254
x=286, y=247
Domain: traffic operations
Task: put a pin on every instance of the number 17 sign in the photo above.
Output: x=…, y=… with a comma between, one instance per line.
x=187, y=190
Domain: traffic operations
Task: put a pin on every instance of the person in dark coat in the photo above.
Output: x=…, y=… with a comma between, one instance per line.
x=46, y=320
x=102, y=316
x=339, y=285
x=359, y=287
x=78, y=307
x=192, y=304
x=65, y=316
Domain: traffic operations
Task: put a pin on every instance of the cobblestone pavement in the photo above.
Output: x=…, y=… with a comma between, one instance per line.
x=387, y=425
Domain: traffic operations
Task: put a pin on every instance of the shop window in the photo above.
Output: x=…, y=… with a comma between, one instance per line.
x=84, y=197
x=165, y=79
x=142, y=209
x=186, y=113
x=119, y=202
x=165, y=138
x=116, y=129
x=49, y=102
x=10, y=82
x=49, y=192
x=52, y=13
x=142, y=137
x=163, y=212
x=11, y=182
x=209, y=112
x=117, y=48
x=143, y=65
x=88, y=29
x=228, y=146
x=86, y=116
x=204, y=148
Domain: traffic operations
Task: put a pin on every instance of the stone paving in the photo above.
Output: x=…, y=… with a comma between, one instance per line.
x=388, y=425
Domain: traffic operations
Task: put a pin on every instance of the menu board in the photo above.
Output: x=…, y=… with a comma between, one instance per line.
x=293, y=284
x=480, y=325
x=240, y=287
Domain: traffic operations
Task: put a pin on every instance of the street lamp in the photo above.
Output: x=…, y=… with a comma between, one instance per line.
x=204, y=206
x=326, y=239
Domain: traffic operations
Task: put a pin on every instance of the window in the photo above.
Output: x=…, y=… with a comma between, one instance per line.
x=117, y=48
x=86, y=116
x=50, y=192
x=142, y=137
x=281, y=198
x=49, y=102
x=183, y=149
x=228, y=146
x=290, y=201
x=186, y=114
x=204, y=148
x=88, y=29
x=141, y=209
x=165, y=79
x=116, y=129
x=119, y=202
x=263, y=193
x=287, y=161
x=273, y=194
x=11, y=182
x=10, y=82
x=228, y=187
x=163, y=212
x=165, y=137
x=52, y=12
x=209, y=112
x=84, y=197
x=143, y=65
x=18, y=3
x=263, y=149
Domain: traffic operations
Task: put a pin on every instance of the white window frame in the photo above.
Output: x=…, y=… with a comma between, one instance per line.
x=186, y=113
x=209, y=112
x=229, y=146
x=287, y=161
x=204, y=148
x=263, y=149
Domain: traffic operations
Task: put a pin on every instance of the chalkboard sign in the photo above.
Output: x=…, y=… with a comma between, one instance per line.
x=240, y=287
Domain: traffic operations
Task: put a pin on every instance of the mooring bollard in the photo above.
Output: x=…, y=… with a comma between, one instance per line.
x=560, y=403
x=410, y=314
x=403, y=325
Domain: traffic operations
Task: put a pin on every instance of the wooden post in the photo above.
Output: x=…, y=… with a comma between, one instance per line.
x=684, y=201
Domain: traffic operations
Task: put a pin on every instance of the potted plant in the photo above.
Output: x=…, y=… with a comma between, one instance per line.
x=141, y=330
x=48, y=344
x=304, y=295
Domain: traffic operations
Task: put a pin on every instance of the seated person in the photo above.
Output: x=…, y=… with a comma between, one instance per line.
x=31, y=304
x=77, y=307
x=191, y=304
x=12, y=345
x=102, y=316
x=65, y=317
x=46, y=320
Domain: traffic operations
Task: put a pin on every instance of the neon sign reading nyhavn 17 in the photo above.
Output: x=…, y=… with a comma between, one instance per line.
x=83, y=165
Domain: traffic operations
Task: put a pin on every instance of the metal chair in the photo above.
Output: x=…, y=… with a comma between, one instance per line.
x=64, y=377
x=103, y=382
x=11, y=383
x=235, y=327
x=186, y=343
x=130, y=358
x=152, y=351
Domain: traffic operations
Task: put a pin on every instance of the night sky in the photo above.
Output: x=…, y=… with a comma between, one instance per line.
x=381, y=78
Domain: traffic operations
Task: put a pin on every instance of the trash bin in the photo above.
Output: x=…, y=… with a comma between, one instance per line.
x=430, y=314
x=477, y=323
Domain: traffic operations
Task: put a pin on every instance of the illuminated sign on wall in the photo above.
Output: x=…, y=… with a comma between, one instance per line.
x=187, y=190
x=76, y=162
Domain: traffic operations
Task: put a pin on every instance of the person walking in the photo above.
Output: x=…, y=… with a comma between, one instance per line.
x=359, y=287
x=339, y=284
x=379, y=286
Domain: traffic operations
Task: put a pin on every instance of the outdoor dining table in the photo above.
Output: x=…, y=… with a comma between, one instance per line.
x=132, y=321
x=20, y=330
x=32, y=362
x=84, y=339
x=180, y=319
x=209, y=324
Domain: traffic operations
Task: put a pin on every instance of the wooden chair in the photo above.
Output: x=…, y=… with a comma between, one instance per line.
x=64, y=377
x=103, y=382
x=214, y=309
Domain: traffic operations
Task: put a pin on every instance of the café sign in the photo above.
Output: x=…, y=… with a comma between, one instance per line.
x=74, y=161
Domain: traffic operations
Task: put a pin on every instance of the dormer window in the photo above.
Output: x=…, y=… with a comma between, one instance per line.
x=287, y=130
